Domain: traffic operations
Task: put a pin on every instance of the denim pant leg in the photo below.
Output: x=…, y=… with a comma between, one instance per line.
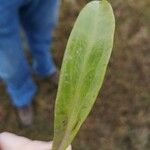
x=14, y=69
x=38, y=20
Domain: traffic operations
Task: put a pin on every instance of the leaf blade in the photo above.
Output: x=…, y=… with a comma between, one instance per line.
x=84, y=66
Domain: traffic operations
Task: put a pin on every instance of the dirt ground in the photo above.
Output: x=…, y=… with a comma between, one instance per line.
x=120, y=119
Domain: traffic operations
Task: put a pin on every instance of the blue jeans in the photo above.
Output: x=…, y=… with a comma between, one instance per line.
x=38, y=18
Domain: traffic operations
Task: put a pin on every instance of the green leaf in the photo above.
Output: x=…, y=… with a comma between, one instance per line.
x=86, y=58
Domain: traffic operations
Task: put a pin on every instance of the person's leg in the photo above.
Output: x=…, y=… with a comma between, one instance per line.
x=14, y=69
x=38, y=20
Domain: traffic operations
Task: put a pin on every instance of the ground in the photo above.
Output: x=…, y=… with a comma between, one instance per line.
x=120, y=119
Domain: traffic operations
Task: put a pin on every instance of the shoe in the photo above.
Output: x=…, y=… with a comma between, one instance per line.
x=26, y=115
x=54, y=78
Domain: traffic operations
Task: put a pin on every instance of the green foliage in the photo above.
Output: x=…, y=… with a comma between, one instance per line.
x=83, y=69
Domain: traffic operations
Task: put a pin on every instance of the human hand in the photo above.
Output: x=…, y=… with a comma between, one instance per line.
x=10, y=141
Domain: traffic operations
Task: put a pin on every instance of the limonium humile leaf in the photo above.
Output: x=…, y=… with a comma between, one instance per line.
x=84, y=65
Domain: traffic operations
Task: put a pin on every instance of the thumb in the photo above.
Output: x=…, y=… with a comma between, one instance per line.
x=39, y=145
x=9, y=141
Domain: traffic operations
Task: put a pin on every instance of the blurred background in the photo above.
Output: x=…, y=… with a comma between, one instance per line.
x=120, y=119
